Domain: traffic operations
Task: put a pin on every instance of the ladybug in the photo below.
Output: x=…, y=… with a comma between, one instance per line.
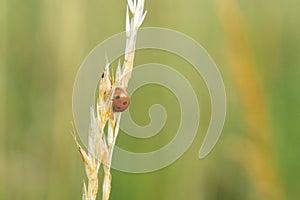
x=121, y=100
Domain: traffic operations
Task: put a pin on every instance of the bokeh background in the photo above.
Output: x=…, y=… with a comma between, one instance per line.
x=256, y=46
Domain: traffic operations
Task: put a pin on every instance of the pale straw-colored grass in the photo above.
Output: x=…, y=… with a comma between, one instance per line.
x=101, y=145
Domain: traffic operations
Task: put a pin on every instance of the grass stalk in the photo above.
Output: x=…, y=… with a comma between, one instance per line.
x=101, y=146
x=258, y=156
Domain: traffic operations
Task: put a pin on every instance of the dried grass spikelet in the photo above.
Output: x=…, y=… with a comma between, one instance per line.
x=101, y=145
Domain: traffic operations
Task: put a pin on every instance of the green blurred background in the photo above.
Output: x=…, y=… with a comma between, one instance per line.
x=256, y=46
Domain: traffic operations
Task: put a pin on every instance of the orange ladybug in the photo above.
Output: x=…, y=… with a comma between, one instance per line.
x=121, y=100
